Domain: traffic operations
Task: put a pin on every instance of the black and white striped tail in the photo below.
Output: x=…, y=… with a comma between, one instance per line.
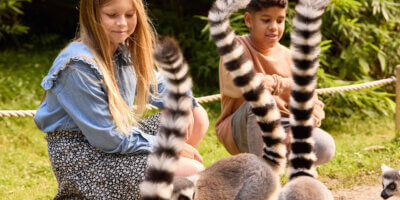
x=244, y=77
x=305, y=40
x=163, y=161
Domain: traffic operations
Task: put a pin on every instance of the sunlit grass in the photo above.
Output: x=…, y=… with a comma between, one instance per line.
x=20, y=77
x=210, y=148
x=25, y=171
x=353, y=162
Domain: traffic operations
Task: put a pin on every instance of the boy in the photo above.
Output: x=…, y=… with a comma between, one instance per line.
x=237, y=128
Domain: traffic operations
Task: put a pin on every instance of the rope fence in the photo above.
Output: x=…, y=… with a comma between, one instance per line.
x=215, y=97
x=322, y=90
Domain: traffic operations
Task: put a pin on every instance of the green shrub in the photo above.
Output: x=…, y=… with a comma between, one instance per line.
x=361, y=41
x=10, y=10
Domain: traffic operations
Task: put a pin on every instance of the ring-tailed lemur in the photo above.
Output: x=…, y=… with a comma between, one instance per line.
x=163, y=161
x=238, y=177
x=390, y=182
x=244, y=176
x=244, y=77
x=305, y=40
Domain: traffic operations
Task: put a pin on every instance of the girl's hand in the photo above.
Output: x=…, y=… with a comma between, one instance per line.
x=188, y=151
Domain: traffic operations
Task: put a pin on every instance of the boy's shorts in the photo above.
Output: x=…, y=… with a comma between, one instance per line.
x=248, y=135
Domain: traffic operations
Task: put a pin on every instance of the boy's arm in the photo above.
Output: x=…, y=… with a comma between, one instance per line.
x=276, y=84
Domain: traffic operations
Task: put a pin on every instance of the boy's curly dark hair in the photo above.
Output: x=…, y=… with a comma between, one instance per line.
x=257, y=5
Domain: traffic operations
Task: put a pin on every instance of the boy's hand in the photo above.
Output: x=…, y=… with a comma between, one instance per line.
x=267, y=81
x=318, y=112
x=188, y=151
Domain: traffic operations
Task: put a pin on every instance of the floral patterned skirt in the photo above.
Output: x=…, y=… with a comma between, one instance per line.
x=84, y=172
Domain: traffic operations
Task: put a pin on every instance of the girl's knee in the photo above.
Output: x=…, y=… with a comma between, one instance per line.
x=201, y=117
x=188, y=167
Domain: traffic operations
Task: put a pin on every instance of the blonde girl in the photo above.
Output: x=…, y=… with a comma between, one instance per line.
x=97, y=146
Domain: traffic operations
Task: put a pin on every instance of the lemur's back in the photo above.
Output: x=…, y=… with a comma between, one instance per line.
x=244, y=176
x=305, y=188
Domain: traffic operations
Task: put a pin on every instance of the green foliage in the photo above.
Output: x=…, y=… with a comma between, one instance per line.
x=370, y=102
x=361, y=41
x=26, y=173
x=353, y=164
x=10, y=10
x=20, y=76
x=198, y=50
x=368, y=29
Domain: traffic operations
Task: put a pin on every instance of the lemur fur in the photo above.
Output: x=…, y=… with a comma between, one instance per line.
x=244, y=77
x=244, y=176
x=162, y=163
x=390, y=182
x=238, y=177
x=305, y=40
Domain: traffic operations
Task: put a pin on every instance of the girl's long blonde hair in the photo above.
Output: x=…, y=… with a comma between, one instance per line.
x=140, y=46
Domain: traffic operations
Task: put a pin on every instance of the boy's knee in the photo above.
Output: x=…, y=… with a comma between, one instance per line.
x=324, y=146
x=247, y=106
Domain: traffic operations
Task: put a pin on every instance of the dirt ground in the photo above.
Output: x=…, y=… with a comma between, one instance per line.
x=360, y=192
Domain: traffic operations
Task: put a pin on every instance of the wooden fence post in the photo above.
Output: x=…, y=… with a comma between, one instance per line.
x=398, y=101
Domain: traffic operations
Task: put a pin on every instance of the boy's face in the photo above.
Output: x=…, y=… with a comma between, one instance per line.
x=266, y=26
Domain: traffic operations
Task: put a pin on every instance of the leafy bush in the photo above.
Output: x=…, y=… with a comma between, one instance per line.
x=361, y=41
x=10, y=10
x=21, y=73
x=357, y=103
x=170, y=19
x=368, y=29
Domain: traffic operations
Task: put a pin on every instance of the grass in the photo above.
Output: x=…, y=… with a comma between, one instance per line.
x=25, y=171
x=353, y=163
x=210, y=148
x=20, y=77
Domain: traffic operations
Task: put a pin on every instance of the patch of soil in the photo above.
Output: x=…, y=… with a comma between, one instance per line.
x=360, y=192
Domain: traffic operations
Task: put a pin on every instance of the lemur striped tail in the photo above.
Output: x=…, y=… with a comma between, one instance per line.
x=163, y=161
x=244, y=77
x=305, y=40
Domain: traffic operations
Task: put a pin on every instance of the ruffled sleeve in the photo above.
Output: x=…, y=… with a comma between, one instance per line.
x=79, y=90
x=48, y=81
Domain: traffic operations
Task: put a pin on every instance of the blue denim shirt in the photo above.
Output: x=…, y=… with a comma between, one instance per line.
x=77, y=100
